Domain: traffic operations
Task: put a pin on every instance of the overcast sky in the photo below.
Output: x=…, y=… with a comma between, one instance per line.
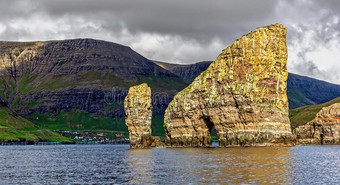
x=184, y=31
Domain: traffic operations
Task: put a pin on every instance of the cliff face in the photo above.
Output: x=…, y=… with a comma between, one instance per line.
x=138, y=110
x=242, y=95
x=40, y=80
x=75, y=56
x=323, y=129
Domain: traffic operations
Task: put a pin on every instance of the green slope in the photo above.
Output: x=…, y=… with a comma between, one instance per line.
x=77, y=120
x=302, y=115
x=80, y=119
x=17, y=128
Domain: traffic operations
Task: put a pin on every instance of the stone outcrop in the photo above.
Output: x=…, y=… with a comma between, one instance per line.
x=242, y=95
x=138, y=110
x=323, y=129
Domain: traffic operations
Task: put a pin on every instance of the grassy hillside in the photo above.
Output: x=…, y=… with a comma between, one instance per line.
x=302, y=115
x=77, y=120
x=17, y=128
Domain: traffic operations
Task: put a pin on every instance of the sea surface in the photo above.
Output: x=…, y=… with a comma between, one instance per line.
x=117, y=164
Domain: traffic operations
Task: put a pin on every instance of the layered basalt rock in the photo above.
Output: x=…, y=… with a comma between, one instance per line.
x=242, y=95
x=323, y=129
x=138, y=110
x=83, y=76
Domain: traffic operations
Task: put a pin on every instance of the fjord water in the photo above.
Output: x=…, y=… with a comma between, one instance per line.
x=117, y=164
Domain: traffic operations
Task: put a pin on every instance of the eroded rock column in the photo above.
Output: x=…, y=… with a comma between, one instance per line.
x=242, y=95
x=323, y=129
x=138, y=110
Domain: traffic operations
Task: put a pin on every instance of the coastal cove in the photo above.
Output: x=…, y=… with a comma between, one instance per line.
x=117, y=164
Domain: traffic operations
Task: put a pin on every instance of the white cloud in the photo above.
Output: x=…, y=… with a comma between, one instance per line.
x=313, y=39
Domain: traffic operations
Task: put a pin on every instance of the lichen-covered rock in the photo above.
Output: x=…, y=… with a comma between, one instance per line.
x=242, y=94
x=323, y=129
x=156, y=142
x=138, y=110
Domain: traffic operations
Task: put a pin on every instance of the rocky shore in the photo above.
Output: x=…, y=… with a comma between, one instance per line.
x=323, y=129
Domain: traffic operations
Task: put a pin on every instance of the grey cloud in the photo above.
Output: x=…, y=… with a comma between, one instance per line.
x=311, y=28
x=309, y=68
x=178, y=31
x=198, y=19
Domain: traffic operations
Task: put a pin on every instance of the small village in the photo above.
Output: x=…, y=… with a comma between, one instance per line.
x=81, y=137
x=95, y=137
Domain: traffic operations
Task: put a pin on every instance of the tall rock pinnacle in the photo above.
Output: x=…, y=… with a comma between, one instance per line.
x=138, y=110
x=242, y=95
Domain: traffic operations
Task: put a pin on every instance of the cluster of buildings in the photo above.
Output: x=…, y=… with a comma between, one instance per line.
x=95, y=137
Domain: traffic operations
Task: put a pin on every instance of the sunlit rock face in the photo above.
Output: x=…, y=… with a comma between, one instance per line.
x=323, y=129
x=138, y=110
x=242, y=95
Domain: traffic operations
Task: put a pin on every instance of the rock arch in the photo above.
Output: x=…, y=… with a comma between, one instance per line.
x=242, y=93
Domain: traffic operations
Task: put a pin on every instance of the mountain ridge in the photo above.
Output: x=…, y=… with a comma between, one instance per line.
x=79, y=83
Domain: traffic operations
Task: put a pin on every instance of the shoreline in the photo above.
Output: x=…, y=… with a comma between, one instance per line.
x=57, y=143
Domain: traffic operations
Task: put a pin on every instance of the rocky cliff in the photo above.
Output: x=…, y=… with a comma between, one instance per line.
x=72, y=84
x=81, y=83
x=323, y=129
x=138, y=111
x=242, y=95
x=302, y=115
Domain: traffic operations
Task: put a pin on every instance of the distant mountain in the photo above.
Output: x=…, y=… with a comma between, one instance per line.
x=186, y=72
x=309, y=91
x=80, y=83
x=301, y=90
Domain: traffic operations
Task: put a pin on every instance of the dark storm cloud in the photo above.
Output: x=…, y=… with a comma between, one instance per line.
x=184, y=31
x=199, y=19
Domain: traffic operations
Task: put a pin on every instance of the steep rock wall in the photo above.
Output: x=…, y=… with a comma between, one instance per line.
x=242, y=95
x=47, y=79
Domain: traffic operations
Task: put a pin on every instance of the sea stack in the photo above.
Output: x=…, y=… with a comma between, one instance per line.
x=242, y=95
x=138, y=110
x=323, y=129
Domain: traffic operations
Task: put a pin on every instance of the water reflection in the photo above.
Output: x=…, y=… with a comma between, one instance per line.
x=219, y=165
x=140, y=162
x=109, y=164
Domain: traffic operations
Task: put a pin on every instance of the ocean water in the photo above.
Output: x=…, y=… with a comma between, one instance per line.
x=117, y=164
